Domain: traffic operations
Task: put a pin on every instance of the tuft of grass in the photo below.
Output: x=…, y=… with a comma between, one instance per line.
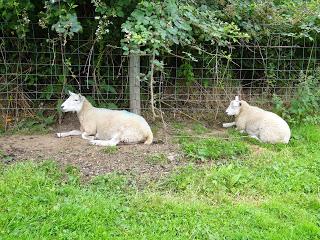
x=110, y=149
x=4, y=157
x=112, y=183
x=2, y=131
x=30, y=126
x=156, y=127
x=157, y=159
x=72, y=174
x=2, y=154
x=198, y=128
x=233, y=133
x=213, y=148
x=39, y=124
x=178, y=125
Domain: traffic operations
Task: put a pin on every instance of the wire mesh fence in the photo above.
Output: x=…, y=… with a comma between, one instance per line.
x=36, y=72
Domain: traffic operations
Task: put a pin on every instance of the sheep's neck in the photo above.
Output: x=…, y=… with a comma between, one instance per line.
x=85, y=107
x=244, y=107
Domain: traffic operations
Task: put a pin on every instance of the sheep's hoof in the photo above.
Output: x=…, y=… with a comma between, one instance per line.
x=93, y=142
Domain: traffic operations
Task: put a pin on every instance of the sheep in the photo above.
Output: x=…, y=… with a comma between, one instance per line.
x=105, y=127
x=262, y=125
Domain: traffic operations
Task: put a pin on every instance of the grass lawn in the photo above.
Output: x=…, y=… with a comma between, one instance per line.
x=250, y=191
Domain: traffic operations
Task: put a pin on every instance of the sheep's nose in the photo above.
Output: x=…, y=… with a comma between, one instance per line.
x=62, y=107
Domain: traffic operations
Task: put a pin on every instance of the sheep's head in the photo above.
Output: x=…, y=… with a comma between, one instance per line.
x=234, y=107
x=73, y=103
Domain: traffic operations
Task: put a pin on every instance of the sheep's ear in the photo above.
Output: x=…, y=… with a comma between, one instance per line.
x=81, y=97
x=70, y=93
x=237, y=98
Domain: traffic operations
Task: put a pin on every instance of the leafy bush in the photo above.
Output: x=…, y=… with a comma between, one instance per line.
x=305, y=107
x=185, y=71
x=185, y=28
x=15, y=16
x=156, y=26
x=62, y=18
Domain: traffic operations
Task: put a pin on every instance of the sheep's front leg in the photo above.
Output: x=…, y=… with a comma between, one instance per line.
x=255, y=137
x=227, y=125
x=87, y=136
x=70, y=133
x=111, y=142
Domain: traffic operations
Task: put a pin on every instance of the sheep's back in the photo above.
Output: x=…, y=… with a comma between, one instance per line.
x=110, y=122
x=269, y=127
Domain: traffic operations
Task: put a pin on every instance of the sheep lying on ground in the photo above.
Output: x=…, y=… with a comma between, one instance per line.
x=106, y=127
x=260, y=124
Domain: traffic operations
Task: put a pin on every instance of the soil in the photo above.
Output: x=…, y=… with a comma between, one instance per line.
x=95, y=160
x=91, y=160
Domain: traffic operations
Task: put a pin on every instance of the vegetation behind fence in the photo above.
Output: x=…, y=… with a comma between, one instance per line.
x=194, y=56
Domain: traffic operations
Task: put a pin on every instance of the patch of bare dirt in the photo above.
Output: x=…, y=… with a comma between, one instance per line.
x=257, y=150
x=91, y=160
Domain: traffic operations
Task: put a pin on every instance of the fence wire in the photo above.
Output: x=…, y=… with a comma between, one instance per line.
x=36, y=72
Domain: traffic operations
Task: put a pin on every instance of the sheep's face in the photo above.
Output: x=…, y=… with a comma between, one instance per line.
x=234, y=107
x=73, y=103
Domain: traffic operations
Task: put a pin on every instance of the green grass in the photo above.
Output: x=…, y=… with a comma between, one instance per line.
x=272, y=193
x=4, y=157
x=213, y=148
x=198, y=128
x=38, y=124
x=110, y=149
x=157, y=158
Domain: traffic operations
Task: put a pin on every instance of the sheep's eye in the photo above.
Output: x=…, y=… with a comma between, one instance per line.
x=76, y=100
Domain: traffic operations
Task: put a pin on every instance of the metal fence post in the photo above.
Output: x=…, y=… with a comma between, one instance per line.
x=134, y=83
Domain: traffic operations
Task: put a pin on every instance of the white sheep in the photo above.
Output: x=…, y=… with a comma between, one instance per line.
x=105, y=127
x=263, y=125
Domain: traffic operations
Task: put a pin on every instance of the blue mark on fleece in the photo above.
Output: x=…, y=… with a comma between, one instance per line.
x=127, y=112
x=131, y=113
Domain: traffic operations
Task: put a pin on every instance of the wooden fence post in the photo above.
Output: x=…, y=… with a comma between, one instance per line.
x=134, y=83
